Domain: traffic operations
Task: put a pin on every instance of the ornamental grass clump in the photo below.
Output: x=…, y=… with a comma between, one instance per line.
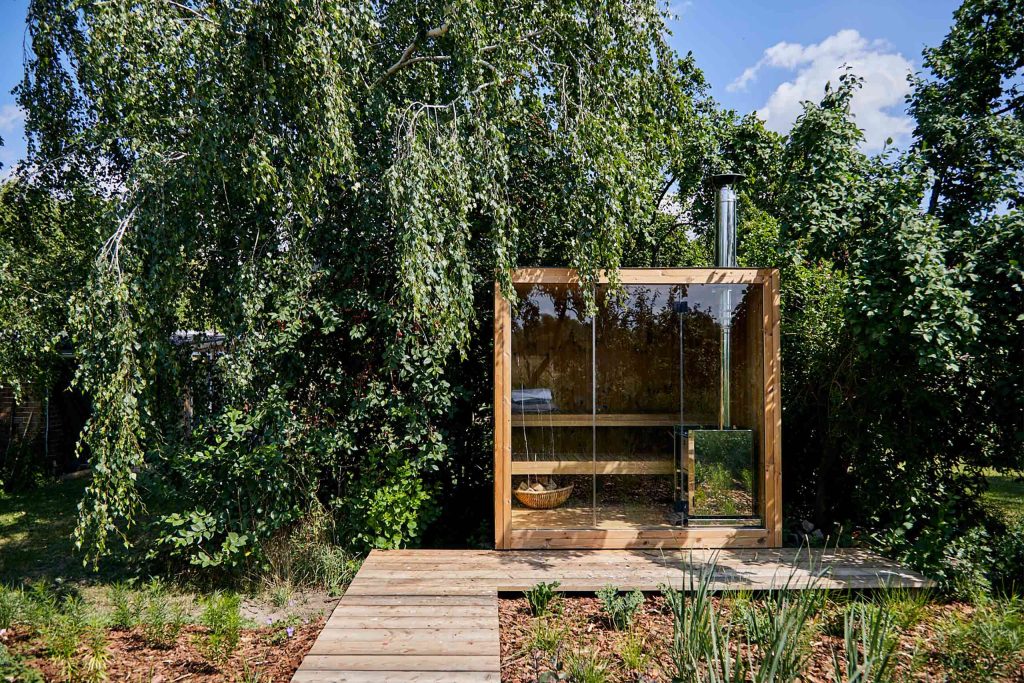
x=870, y=639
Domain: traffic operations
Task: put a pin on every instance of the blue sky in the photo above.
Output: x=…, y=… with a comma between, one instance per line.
x=763, y=56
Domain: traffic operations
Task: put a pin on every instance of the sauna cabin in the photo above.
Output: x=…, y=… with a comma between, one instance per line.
x=654, y=422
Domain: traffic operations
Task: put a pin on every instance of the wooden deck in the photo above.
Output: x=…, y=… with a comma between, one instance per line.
x=432, y=615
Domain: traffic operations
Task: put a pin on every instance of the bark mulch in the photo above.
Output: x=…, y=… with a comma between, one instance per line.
x=585, y=629
x=264, y=652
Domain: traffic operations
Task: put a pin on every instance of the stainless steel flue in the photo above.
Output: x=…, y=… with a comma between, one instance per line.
x=725, y=257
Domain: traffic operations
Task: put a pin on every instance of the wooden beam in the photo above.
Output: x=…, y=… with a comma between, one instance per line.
x=593, y=467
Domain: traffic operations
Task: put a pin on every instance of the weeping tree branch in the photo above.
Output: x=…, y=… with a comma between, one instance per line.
x=407, y=55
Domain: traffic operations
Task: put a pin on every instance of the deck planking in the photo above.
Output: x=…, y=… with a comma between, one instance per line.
x=432, y=615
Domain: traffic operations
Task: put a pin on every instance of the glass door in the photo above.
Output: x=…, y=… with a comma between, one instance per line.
x=552, y=409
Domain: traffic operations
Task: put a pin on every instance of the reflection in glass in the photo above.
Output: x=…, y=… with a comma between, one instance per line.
x=651, y=411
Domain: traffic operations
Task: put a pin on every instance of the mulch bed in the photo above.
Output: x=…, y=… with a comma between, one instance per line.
x=131, y=659
x=587, y=629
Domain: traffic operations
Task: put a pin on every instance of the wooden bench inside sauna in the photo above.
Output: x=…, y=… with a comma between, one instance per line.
x=653, y=422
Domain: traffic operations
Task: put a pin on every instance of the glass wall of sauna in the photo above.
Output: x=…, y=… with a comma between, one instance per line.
x=628, y=416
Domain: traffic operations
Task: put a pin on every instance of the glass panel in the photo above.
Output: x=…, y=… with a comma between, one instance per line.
x=647, y=410
x=723, y=402
x=552, y=409
x=638, y=406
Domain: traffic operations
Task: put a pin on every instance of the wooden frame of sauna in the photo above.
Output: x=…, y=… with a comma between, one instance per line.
x=769, y=428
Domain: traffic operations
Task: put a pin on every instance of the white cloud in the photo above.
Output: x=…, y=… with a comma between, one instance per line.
x=11, y=119
x=877, y=107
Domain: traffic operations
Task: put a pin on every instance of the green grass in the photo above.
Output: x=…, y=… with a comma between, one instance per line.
x=35, y=532
x=1005, y=494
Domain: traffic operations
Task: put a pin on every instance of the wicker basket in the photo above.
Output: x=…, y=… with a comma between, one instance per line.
x=544, y=500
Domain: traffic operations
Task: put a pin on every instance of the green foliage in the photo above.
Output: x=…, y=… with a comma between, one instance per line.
x=11, y=605
x=222, y=618
x=700, y=649
x=634, y=652
x=541, y=597
x=586, y=666
x=162, y=619
x=14, y=669
x=546, y=636
x=989, y=643
x=620, y=607
x=870, y=645
x=125, y=606
x=338, y=218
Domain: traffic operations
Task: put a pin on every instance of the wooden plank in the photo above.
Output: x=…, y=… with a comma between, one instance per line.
x=384, y=621
x=502, y=408
x=338, y=642
x=775, y=521
x=647, y=276
x=311, y=676
x=445, y=663
x=438, y=601
x=589, y=467
x=404, y=610
x=602, y=420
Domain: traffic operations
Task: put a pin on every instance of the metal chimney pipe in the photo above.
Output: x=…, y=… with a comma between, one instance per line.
x=725, y=218
x=725, y=257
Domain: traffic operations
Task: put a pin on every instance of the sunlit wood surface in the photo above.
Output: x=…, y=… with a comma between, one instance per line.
x=432, y=615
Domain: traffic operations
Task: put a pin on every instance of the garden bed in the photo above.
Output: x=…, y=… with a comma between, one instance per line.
x=265, y=654
x=934, y=641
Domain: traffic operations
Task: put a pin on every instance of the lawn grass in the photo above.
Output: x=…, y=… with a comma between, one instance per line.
x=35, y=533
x=1005, y=494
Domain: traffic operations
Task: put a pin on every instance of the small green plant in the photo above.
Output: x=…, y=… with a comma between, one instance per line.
x=541, y=597
x=62, y=636
x=586, y=667
x=633, y=652
x=97, y=654
x=251, y=674
x=161, y=619
x=222, y=617
x=126, y=607
x=780, y=626
x=11, y=601
x=620, y=607
x=14, y=669
x=700, y=649
x=545, y=636
x=870, y=640
x=907, y=606
x=280, y=594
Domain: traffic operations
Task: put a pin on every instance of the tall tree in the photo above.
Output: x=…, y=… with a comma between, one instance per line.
x=330, y=185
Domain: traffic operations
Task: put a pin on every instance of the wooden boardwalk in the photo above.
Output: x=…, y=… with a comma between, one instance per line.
x=432, y=615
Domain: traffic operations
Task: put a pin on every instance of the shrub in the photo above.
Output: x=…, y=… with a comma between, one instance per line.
x=700, y=648
x=97, y=655
x=222, y=618
x=906, y=606
x=620, y=608
x=541, y=597
x=62, y=636
x=780, y=626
